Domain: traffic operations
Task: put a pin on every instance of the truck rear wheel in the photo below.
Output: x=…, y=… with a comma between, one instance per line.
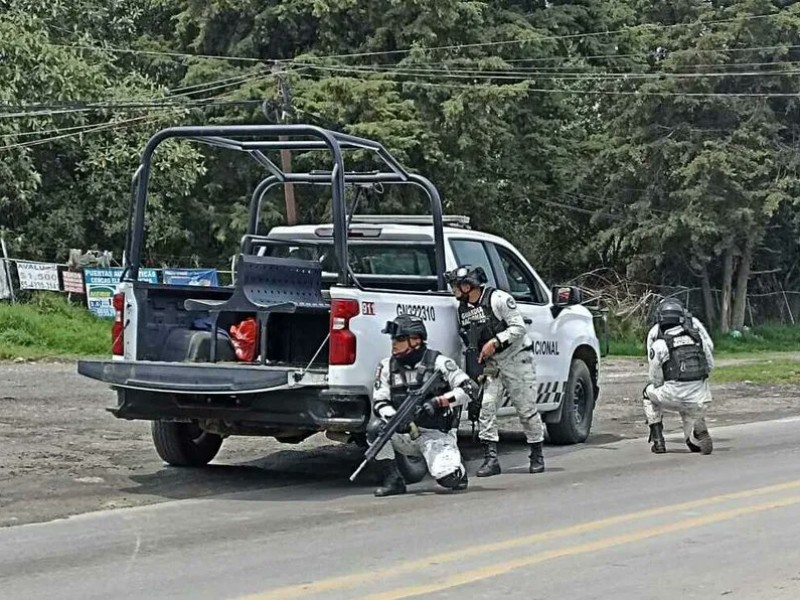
x=577, y=409
x=184, y=444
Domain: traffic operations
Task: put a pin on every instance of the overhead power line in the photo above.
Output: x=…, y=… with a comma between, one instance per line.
x=522, y=76
x=408, y=50
x=535, y=38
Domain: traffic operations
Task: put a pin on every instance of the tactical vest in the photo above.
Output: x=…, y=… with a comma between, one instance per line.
x=403, y=380
x=687, y=360
x=478, y=324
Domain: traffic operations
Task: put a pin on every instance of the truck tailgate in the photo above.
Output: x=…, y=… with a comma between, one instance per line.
x=199, y=378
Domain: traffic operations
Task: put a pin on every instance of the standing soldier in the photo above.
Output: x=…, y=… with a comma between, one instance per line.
x=493, y=325
x=409, y=367
x=680, y=357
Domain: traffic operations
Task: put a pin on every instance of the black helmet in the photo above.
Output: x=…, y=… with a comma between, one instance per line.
x=406, y=326
x=670, y=312
x=474, y=276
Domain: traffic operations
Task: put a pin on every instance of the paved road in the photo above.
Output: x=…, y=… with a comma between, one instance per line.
x=606, y=521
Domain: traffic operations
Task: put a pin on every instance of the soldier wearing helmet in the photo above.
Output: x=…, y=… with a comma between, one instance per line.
x=408, y=368
x=491, y=324
x=680, y=358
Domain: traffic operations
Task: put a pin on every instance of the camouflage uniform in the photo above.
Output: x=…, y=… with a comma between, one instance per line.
x=438, y=448
x=514, y=368
x=690, y=399
x=496, y=318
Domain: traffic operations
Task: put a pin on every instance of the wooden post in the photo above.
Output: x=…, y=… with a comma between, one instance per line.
x=6, y=268
x=288, y=188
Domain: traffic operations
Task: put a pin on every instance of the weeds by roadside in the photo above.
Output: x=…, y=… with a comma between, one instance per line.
x=49, y=326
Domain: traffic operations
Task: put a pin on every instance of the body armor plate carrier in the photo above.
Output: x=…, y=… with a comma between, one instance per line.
x=476, y=326
x=687, y=360
x=403, y=381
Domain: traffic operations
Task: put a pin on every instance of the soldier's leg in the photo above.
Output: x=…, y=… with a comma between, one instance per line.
x=487, y=420
x=492, y=394
x=651, y=402
x=695, y=430
x=393, y=482
x=519, y=378
x=443, y=458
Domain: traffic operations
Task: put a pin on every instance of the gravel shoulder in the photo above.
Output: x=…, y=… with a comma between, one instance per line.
x=63, y=454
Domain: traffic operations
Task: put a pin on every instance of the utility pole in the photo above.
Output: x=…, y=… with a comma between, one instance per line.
x=283, y=111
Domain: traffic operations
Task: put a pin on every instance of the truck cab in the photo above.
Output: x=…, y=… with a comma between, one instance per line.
x=321, y=294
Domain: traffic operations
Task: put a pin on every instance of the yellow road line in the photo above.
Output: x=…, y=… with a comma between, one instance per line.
x=360, y=578
x=608, y=542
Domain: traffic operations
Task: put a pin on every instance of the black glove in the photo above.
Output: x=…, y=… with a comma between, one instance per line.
x=432, y=408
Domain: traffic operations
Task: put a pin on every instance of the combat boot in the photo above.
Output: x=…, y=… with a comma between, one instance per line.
x=393, y=482
x=706, y=446
x=657, y=437
x=462, y=484
x=537, y=458
x=490, y=466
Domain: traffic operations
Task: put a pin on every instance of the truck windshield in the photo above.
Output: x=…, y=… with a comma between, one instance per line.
x=365, y=259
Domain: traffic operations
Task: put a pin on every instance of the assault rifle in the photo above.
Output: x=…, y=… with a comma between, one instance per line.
x=411, y=407
x=474, y=407
x=475, y=370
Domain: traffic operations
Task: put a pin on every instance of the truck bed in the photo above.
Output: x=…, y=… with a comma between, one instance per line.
x=167, y=332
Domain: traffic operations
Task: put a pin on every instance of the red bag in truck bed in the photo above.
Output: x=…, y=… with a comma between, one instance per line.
x=245, y=337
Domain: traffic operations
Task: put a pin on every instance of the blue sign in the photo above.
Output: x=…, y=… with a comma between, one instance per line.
x=101, y=285
x=201, y=277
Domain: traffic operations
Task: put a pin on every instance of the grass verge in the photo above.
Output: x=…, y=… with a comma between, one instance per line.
x=767, y=338
x=768, y=371
x=49, y=326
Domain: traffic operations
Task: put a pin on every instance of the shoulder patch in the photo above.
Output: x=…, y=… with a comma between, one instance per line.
x=511, y=303
x=450, y=365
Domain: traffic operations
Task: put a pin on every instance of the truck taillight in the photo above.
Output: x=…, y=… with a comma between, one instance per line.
x=343, y=341
x=118, y=328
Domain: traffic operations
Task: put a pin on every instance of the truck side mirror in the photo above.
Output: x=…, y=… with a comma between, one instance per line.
x=564, y=296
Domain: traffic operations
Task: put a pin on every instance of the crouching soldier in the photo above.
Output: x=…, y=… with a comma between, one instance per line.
x=411, y=364
x=680, y=358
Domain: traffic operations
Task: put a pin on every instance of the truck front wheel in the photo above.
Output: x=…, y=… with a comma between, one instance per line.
x=184, y=444
x=577, y=409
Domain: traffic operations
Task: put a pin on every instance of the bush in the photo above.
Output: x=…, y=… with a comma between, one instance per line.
x=48, y=326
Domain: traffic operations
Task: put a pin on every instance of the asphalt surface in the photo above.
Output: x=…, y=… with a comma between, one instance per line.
x=606, y=521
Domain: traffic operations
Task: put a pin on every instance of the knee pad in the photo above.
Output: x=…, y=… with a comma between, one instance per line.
x=452, y=480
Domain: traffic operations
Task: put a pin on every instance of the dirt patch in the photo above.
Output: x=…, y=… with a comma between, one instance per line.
x=63, y=454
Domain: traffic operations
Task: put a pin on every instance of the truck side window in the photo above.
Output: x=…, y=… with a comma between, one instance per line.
x=522, y=285
x=471, y=252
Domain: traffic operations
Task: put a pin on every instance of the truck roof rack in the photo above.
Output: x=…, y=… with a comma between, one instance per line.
x=447, y=220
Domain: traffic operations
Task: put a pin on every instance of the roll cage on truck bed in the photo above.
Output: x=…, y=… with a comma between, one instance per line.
x=318, y=347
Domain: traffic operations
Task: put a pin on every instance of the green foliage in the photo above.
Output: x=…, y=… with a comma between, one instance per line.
x=49, y=326
x=770, y=338
x=581, y=130
x=776, y=370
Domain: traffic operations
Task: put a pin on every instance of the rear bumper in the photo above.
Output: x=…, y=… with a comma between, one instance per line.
x=247, y=396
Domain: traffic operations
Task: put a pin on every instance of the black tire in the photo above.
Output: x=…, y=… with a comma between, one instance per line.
x=412, y=468
x=578, y=407
x=184, y=444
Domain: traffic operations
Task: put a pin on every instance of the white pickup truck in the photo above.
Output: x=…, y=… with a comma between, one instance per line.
x=319, y=324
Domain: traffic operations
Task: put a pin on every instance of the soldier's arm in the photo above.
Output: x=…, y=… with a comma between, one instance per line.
x=657, y=353
x=382, y=395
x=505, y=308
x=708, y=343
x=462, y=388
